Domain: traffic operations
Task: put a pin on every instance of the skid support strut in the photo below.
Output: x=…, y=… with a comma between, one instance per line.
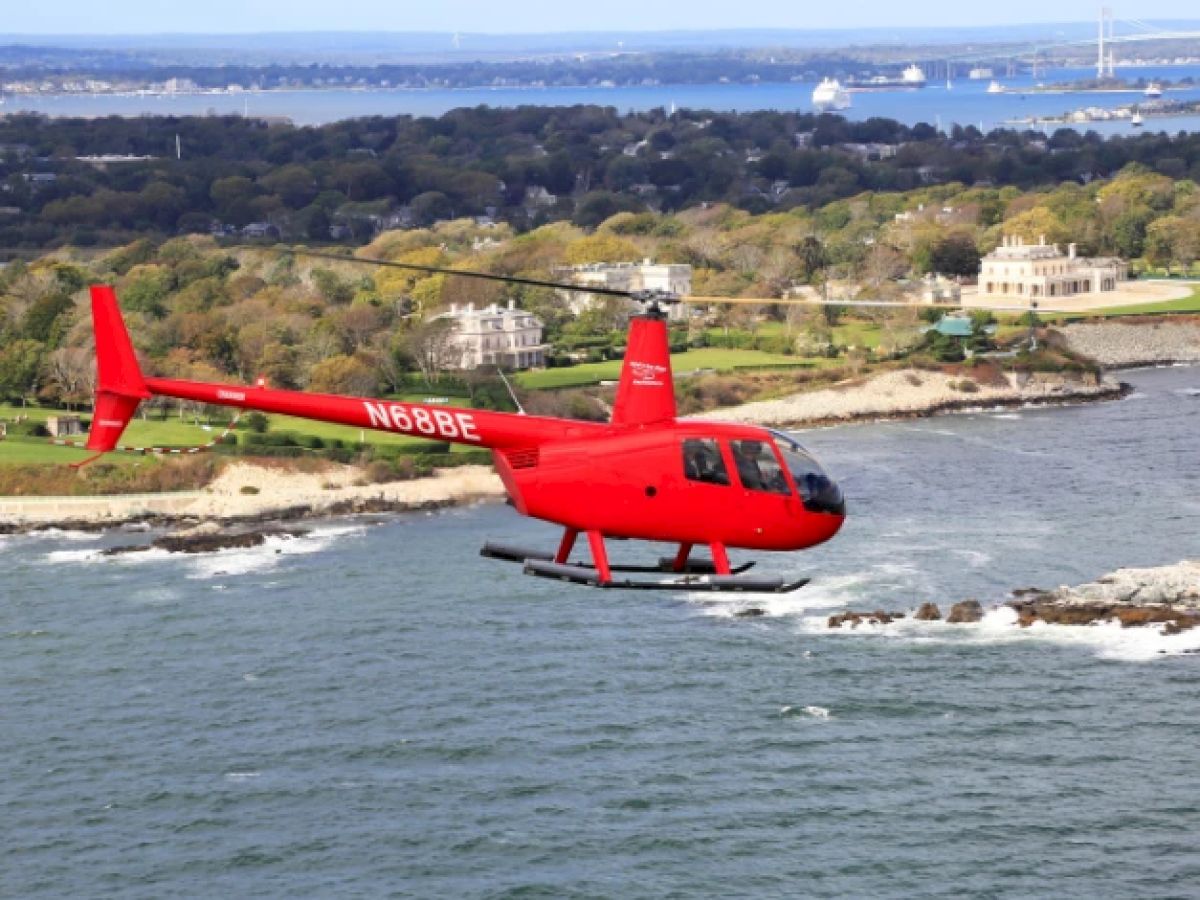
x=566, y=545
x=720, y=558
x=599, y=556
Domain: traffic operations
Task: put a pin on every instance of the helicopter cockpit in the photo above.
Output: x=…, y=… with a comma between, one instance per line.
x=818, y=491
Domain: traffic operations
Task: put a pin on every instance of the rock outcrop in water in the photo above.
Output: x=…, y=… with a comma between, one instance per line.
x=1167, y=595
x=208, y=541
x=854, y=619
x=966, y=611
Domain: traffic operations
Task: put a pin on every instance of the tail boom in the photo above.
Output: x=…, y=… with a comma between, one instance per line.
x=472, y=427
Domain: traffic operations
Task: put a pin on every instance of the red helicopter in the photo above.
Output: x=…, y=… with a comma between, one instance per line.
x=645, y=475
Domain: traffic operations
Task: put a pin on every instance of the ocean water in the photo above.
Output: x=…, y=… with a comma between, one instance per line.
x=374, y=710
x=966, y=103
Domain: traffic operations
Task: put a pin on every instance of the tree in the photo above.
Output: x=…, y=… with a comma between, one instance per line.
x=19, y=365
x=344, y=375
x=333, y=288
x=956, y=254
x=72, y=371
x=434, y=348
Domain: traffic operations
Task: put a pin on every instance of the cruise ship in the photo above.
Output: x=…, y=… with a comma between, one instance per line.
x=995, y=87
x=829, y=95
x=1153, y=90
x=912, y=77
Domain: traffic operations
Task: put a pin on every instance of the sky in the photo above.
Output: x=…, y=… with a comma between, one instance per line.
x=532, y=16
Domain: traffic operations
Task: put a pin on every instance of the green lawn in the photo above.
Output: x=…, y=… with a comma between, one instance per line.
x=689, y=361
x=172, y=432
x=23, y=451
x=1184, y=304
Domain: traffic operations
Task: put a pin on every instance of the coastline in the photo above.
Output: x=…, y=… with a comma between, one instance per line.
x=913, y=393
x=250, y=494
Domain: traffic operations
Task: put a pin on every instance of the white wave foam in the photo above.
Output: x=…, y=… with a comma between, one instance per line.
x=266, y=556
x=58, y=557
x=240, y=776
x=815, y=712
x=1108, y=640
x=1006, y=415
x=59, y=534
x=976, y=559
x=826, y=593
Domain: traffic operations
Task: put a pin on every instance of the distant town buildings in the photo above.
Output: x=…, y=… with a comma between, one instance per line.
x=939, y=289
x=667, y=278
x=496, y=336
x=1034, y=271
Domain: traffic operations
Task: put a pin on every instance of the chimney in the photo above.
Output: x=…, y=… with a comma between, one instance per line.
x=512, y=304
x=1070, y=251
x=471, y=307
x=453, y=308
x=1042, y=241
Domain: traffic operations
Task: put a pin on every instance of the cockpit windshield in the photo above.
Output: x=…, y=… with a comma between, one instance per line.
x=818, y=491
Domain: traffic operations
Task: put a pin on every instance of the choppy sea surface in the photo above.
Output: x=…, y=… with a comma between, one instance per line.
x=375, y=710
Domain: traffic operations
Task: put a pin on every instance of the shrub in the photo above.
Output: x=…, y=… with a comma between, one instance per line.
x=256, y=422
x=247, y=489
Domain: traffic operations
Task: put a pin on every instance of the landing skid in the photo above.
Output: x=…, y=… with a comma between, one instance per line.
x=695, y=575
x=511, y=553
x=713, y=583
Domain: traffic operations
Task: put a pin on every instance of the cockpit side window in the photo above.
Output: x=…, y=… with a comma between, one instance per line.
x=702, y=461
x=757, y=467
x=818, y=491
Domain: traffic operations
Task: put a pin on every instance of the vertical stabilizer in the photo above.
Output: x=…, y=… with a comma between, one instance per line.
x=646, y=393
x=119, y=383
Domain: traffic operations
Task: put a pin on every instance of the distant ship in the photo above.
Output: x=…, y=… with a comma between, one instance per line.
x=830, y=94
x=995, y=87
x=912, y=77
x=1136, y=121
x=1154, y=90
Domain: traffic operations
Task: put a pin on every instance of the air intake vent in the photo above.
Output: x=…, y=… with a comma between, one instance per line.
x=522, y=459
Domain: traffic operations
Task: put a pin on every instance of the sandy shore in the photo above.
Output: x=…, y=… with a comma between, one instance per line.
x=910, y=392
x=279, y=493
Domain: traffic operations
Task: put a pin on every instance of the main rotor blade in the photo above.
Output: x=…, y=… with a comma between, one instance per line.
x=465, y=273
x=896, y=304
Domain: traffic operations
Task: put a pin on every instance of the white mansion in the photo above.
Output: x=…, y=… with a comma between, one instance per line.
x=1035, y=271
x=669, y=278
x=495, y=336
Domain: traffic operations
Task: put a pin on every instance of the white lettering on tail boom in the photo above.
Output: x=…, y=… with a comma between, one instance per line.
x=418, y=420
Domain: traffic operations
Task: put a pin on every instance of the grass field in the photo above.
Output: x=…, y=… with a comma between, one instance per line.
x=689, y=361
x=36, y=451
x=171, y=432
x=1184, y=304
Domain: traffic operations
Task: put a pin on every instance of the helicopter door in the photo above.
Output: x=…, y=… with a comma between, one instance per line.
x=702, y=462
x=758, y=468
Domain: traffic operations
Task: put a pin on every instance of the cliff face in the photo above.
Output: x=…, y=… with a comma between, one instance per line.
x=1122, y=344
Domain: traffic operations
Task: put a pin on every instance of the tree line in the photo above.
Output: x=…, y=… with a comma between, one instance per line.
x=523, y=167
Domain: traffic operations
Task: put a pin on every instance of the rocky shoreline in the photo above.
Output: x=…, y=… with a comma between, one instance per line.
x=1123, y=345
x=1166, y=596
x=915, y=393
